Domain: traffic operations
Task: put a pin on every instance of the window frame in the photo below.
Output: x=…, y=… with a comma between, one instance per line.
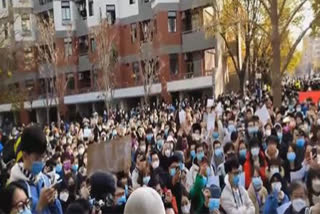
x=65, y=10
x=172, y=19
x=111, y=13
x=173, y=57
x=91, y=9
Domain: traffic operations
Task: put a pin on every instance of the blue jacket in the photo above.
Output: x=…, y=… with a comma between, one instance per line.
x=34, y=189
x=272, y=204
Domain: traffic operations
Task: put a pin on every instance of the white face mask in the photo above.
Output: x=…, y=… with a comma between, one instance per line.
x=64, y=196
x=316, y=185
x=315, y=199
x=268, y=132
x=143, y=148
x=255, y=151
x=276, y=186
x=298, y=204
x=155, y=164
x=186, y=209
x=81, y=151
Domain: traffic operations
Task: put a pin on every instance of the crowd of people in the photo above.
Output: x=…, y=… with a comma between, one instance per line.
x=235, y=155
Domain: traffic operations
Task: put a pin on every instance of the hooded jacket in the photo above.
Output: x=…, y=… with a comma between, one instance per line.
x=34, y=189
x=228, y=200
x=258, y=204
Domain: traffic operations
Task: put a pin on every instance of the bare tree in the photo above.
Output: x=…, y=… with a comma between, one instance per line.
x=293, y=10
x=150, y=64
x=47, y=57
x=106, y=58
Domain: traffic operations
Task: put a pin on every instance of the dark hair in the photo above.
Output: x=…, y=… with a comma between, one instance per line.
x=232, y=163
x=234, y=136
x=75, y=208
x=254, y=142
x=6, y=196
x=198, y=146
x=33, y=140
x=313, y=173
x=296, y=185
x=227, y=147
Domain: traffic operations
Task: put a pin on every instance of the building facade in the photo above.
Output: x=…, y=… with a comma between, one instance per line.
x=191, y=61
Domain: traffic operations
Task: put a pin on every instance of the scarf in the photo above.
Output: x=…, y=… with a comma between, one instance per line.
x=27, y=173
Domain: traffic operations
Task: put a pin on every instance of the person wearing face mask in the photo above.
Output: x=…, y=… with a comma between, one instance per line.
x=313, y=186
x=29, y=172
x=218, y=156
x=191, y=176
x=14, y=199
x=166, y=154
x=298, y=195
x=257, y=192
x=204, y=200
x=255, y=158
x=242, y=153
x=234, y=197
x=291, y=164
x=141, y=162
x=277, y=197
x=252, y=129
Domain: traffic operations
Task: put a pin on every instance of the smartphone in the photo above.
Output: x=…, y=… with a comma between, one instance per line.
x=314, y=152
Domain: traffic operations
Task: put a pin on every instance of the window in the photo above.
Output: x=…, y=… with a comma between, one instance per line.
x=28, y=56
x=173, y=63
x=25, y=24
x=70, y=81
x=84, y=79
x=146, y=1
x=66, y=13
x=67, y=47
x=4, y=3
x=133, y=32
x=90, y=7
x=93, y=44
x=135, y=70
x=111, y=14
x=172, y=21
x=83, y=45
x=132, y=1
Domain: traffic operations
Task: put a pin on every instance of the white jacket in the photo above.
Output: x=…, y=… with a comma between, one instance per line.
x=228, y=203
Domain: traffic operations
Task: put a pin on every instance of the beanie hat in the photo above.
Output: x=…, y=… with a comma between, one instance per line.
x=144, y=200
x=102, y=184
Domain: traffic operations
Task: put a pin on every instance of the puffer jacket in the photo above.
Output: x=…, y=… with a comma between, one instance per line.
x=228, y=200
x=34, y=189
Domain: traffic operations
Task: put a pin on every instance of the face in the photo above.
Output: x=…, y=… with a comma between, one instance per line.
x=20, y=201
x=298, y=193
x=28, y=159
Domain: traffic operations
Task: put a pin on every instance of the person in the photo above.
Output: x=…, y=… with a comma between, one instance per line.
x=14, y=199
x=202, y=198
x=254, y=159
x=144, y=200
x=257, y=192
x=313, y=186
x=234, y=198
x=28, y=172
x=277, y=197
x=298, y=195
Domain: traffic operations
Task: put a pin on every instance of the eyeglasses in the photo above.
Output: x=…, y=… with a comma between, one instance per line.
x=22, y=205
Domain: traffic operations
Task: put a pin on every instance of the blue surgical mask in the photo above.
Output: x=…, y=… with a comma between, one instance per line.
x=208, y=172
x=231, y=128
x=291, y=156
x=300, y=142
x=172, y=172
x=149, y=137
x=193, y=154
x=257, y=183
x=160, y=144
x=36, y=167
x=200, y=156
x=146, y=180
x=75, y=167
x=243, y=153
x=122, y=200
x=236, y=179
x=218, y=152
x=181, y=165
x=215, y=135
x=204, y=181
x=58, y=168
x=26, y=211
x=280, y=136
x=214, y=204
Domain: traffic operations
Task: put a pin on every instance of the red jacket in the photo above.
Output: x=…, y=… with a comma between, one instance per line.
x=247, y=167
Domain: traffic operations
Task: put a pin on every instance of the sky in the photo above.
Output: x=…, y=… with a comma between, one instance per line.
x=307, y=20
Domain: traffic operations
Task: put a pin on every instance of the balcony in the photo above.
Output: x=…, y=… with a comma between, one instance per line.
x=189, y=4
x=193, y=69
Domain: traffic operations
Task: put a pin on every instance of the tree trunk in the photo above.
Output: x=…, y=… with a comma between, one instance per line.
x=241, y=81
x=48, y=114
x=276, y=62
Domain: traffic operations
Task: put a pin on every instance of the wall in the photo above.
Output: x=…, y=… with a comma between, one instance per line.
x=58, y=16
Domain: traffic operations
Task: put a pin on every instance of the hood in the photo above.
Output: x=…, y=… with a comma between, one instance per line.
x=226, y=181
x=144, y=200
x=16, y=174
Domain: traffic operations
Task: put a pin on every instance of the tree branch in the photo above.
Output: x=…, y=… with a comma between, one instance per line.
x=265, y=6
x=293, y=14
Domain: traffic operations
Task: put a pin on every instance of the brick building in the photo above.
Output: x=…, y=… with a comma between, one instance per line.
x=190, y=59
